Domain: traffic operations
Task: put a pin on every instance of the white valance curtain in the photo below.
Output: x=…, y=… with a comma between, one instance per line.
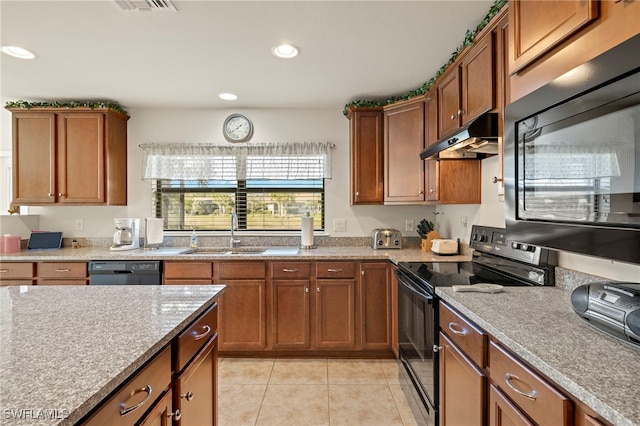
x=182, y=161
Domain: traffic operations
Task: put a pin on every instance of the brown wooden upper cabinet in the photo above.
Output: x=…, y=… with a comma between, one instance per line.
x=366, y=137
x=467, y=90
x=69, y=156
x=538, y=26
x=404, y=177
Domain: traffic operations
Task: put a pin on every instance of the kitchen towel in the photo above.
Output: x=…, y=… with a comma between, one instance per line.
x=154, y=233
x=306, y=241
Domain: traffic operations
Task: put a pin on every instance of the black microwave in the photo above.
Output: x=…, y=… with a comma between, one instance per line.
x=572, y=160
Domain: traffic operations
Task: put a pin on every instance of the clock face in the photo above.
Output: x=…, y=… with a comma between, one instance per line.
x=237, y=128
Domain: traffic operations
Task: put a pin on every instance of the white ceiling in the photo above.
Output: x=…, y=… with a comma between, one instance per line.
x=350, y=50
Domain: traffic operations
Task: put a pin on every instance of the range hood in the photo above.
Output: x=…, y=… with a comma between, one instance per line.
x=476, y=140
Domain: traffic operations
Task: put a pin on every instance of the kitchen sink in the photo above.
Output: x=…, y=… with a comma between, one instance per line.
x=224, y=250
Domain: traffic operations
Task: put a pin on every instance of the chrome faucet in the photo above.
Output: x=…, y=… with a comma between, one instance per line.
x=234, y=226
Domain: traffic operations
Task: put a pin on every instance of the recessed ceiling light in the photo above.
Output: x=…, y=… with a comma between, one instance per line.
x=228, y=96
x=285, y=51
x=17, y=52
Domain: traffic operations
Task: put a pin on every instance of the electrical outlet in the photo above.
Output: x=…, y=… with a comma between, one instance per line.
x=409, y=225
x=463, y=221
x=79, y=224
x=340, y=225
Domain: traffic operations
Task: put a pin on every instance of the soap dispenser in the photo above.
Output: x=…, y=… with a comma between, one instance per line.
x=194, y=239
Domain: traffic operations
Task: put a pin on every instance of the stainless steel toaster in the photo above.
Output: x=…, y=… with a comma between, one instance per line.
x=385, y=238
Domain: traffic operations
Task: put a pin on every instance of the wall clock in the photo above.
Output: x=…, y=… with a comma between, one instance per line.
x=237, y=128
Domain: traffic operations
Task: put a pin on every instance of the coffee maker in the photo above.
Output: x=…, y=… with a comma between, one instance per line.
x=127, y=235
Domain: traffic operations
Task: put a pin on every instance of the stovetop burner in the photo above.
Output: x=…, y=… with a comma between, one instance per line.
x=496, y=261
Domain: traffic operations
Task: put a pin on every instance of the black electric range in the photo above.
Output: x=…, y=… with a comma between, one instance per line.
x=496, y=260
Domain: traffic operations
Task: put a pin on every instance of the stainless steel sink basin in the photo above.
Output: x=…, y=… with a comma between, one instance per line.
x=224, y=250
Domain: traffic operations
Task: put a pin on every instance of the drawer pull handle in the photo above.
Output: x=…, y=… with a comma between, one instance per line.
x=63, y=270
x=6, y=270
x=335, y=270
x=124, y=411
x=188, y=396
x=508, y=377
x=457, y=329
x=289, y=270
x=176, y=416
x=207, y=330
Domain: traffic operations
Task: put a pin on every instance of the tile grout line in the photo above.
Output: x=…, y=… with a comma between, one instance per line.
x=264, y=394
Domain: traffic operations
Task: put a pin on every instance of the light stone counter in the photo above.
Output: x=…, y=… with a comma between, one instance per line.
x=539, y=325
x=65, y=348
x=171, y=253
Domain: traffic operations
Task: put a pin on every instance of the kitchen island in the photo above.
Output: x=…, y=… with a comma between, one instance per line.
x=64, y=349
x=539, y=326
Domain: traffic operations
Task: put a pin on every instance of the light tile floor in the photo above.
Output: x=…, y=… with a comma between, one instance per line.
x=279, y=392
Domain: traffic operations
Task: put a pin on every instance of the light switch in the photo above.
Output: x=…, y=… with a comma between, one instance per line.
x=340, y=225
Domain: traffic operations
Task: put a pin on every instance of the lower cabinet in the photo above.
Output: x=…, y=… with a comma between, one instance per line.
x=17, y=273
x=62, y=273
x=376, y=305
x=189, y=272
x=162, y=414
x=335, y=313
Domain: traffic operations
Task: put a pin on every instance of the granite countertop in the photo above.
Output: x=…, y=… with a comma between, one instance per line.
x=65, y=348
x=171, y=253
x=539, y=325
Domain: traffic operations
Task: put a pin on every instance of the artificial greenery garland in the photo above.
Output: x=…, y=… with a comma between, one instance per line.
x=469, y=37
x=72, y=104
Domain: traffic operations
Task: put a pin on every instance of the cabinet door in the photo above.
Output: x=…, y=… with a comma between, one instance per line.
x=431, y=168
x=81, y=150
x=195, y=389
x=460, y=181
x=162, y=413
x=34, y=158
x=462, y=387
x=290, y=314
x=335, y=312
x=242, y=315
x=403, y=141
x=478, y=79
x=502, y=412
x=375, y=290
x=503, y=93
x=366, y=156
x=538, y=26
x=449, y=108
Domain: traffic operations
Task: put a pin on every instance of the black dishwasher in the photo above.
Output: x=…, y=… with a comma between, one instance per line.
x=118, y=272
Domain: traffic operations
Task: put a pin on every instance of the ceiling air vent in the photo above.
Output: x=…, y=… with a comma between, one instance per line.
x=145, y=5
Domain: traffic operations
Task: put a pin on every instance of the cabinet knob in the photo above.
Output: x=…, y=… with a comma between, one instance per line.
x=60, y=194
x=188, y=396
x=50, y=195
x=306, y=289
x=453, y=116
x=318, y=289
x=177, y=415
x=460, y=112
x=496, y=179
x=437, y=348
x=362, y=273
x=420, y=192
x=431, y=190
x=357, y=194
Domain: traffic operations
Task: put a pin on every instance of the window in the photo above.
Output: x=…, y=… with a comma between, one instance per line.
x=269, y=186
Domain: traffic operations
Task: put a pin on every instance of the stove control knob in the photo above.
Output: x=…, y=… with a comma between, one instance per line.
x=483, y=238
x=515, y=245
x=524, y=247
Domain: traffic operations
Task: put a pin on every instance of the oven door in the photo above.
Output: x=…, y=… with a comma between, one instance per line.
x=417, y=322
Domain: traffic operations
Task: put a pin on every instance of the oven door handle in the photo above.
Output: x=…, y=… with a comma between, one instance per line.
x=406, y=282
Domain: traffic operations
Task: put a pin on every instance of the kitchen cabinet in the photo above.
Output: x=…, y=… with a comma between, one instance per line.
x=290, y=305
x=467, y=90
x=366, y=155
x=187, y=272
x=503, y=94
x=460, y=181
x=463, y=349
x=376, y=312
x=538, y=26
x=547, y=40
x=504, y=412
x=69, y=156
x=162, y=414
x=431, y=167
x=242, y=313
x=17, y=273
x=335, y=305
x=62, y=273
x=136, y=395
x=404, y=171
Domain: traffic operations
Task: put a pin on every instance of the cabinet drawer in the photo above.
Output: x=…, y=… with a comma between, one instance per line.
x=139, y=392
x=466, y=336
x=542, y=403
x=193, y=338
x=241, y=270
x=335, y=269
x=291, y=270
x=178, y=270
x=17, y=270
x=59, y=270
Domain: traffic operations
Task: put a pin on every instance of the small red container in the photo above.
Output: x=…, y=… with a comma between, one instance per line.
x=9, y=244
